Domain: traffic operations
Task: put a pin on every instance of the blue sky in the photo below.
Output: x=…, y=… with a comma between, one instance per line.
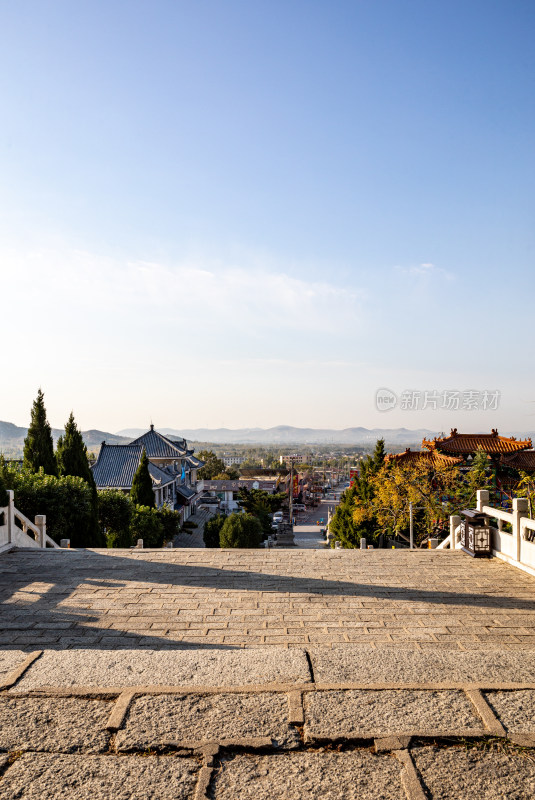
x=257, y=213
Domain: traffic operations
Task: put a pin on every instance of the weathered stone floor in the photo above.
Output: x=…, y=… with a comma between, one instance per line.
x=265, y=674
x=234, y=599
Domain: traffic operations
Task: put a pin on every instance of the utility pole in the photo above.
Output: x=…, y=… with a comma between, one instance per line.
x=291, y=495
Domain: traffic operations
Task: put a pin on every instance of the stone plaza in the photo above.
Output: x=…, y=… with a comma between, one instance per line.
x=193, y=673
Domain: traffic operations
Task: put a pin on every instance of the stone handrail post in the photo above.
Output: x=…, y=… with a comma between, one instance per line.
x=520, y=507
x=40, y=522
x=483, y=498
x=10, y=515
x=455, y=521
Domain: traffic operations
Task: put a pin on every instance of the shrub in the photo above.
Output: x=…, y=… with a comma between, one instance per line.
x=146, y=525
x=115, y=510
x=3, y=491
x=66, y=502
x=212, y=531
x=171, y=523
x=241, y=530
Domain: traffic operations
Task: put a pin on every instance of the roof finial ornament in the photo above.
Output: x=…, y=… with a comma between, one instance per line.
x=151, y=425
x=453, y=432
x=495, y=431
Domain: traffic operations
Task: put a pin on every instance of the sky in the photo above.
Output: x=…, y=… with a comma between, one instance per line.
x=249, y=213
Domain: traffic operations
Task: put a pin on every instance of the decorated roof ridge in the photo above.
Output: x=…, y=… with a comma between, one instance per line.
x=521, y=459
x=464, y=443
x=160, y=476
x=159, y=446
x=413, y=456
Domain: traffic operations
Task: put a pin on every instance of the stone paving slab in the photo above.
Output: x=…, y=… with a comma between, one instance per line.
x=60, y=724
x=162, y=719
x=9, y=660
x=353, y=775
x=35, y=776
x=365, y=665
x=458, y=773
x=122, y=668
x=516, y=709
x=370, y=714
x=178, y=598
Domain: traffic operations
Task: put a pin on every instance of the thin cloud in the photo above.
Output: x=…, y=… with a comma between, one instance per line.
x=192, y=292
x=426, y=270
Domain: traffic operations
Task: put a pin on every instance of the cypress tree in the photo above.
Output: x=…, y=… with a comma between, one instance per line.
x=141, y=491
x=71, y=453
x=38, y=444
x=71, y=457
x=378, y=457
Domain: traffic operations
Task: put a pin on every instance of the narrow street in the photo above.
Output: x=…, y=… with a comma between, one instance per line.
x=307, y=531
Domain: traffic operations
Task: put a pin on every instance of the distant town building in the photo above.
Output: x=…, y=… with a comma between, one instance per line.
x=292, y=458
x=225, y=492
x=232, y=461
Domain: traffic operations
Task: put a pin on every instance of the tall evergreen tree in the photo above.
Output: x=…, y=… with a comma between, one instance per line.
x=71, y=453
x=141, y=491
x=38, y=444
x=378, y=457
x=71, y=457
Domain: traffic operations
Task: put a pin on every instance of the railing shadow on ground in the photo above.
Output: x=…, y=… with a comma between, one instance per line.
x=65, y=573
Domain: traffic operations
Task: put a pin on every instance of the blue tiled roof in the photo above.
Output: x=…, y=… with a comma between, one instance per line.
x=194, y=462
x=159, y=446
x=160, y=476
x=185, y=491
x=116, y=466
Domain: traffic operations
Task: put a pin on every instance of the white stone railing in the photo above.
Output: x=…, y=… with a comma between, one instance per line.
x=514, y=547
x=30, y=534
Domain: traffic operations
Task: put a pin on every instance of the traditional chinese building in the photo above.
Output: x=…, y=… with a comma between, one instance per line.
x=172, y=467
x=433, y=458
x=507, y=456
x=465, y=445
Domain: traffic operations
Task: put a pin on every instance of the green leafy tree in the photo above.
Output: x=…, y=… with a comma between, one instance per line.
x=213, y=466
x=3, y=488
x=115, y=510
x=479, y=476
x=141, y=492
x=261, y=504
x=212, y=530
x=66, y=501
x=38, y=444
x=147, y=525
x=241, y=530
x=171, y=522
x=524, y=488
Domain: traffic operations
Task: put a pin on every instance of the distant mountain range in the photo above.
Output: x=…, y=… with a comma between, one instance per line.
x=288, y=435
x=12, y=437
